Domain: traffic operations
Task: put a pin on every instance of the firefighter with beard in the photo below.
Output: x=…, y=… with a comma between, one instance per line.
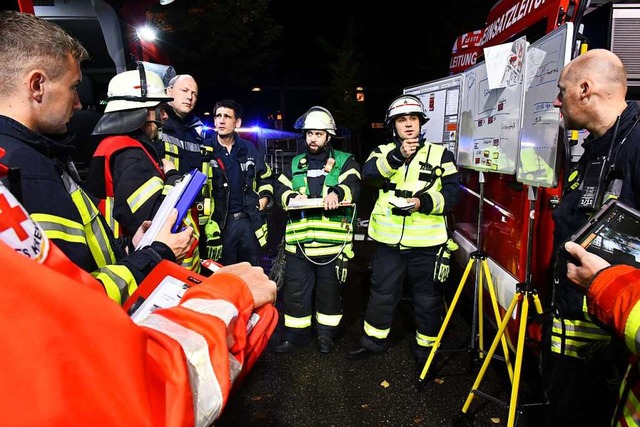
x=318, y=240
x=418, y=184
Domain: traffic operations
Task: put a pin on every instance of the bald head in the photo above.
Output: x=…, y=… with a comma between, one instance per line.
x=592, y=94
x=184, y=90
x=603, y=68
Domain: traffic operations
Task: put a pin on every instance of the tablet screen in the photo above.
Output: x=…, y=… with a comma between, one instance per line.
x=613, y=233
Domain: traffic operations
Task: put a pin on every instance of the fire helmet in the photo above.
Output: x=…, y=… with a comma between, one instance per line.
x=318, y=118
x=404, y=105
x=131, y=90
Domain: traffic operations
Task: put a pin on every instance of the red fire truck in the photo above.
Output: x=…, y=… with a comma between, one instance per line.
x=505, y=212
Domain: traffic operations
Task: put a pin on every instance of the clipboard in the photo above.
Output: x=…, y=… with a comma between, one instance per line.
x=313, y=203
x=181, y=197
x=613, y=233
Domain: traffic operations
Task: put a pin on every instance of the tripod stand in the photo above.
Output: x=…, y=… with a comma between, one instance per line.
x=523, y=292
x=482, y=270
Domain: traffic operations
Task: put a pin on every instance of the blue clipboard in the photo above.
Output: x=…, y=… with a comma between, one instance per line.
x=188, y=196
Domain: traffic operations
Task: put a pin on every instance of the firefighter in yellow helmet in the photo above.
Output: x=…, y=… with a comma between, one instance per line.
x=318, y=240
x=418, y=184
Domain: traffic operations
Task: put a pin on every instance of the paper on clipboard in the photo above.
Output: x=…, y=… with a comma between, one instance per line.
x=181, y=197
x=401, y=203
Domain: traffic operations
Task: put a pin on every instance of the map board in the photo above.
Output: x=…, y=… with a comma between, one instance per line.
x=441, y=100
x=538, y=160
x=490, y=118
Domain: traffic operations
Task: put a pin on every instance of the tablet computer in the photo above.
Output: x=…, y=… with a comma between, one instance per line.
x=613, y=233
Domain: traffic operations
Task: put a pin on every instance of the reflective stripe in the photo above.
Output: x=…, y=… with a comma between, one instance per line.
x=316, y=173
x=381, y=334
x=222, y=309
x=633, y=324
x=56, y=227
x=144, y=193
x=265, y=188
x=108, y=215
x=348, y=172
x=207, y=393
x=96, y=235
x=297, y=322
x=328, y=319
x=117, y=276
x=425, y=340
x=438, y=202
x=384, y=167
x=347, y=193
x=568, y=337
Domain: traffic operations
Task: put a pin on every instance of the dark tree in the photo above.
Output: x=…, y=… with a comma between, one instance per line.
x=221, y=42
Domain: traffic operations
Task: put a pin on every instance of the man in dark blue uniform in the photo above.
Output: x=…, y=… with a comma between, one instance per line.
x=242, y=190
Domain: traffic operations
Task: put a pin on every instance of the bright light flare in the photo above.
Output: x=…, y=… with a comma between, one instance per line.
x=146, y=33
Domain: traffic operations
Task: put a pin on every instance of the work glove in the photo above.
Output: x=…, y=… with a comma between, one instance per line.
x=443, y=261
x=342, y=264
x=214, y=242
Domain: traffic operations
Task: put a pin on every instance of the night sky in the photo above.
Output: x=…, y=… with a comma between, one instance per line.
x=399, y=45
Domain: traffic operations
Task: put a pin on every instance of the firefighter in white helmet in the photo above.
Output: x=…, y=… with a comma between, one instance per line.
x=127, y=173
x=318, y=239
x=418, y=184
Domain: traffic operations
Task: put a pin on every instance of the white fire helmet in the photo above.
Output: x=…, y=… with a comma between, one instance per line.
x=317, y=118
x=404, y=105
x=132, y=90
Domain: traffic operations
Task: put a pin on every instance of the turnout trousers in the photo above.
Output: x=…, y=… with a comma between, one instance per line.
x=239, y=241
x=391, y=266
x=304, y=282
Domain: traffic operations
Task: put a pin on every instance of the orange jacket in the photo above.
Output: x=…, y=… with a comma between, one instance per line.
x=73, y=357
x=614, y=298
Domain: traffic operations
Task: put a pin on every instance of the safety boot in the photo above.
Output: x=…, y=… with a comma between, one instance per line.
x=325, y=344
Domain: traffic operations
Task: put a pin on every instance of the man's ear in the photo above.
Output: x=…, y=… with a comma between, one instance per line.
x=36, y=80
x=238, y=122
x=585, y=88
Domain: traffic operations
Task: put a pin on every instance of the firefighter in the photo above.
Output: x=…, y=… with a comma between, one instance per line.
x=613, y=298
x=37, y=98
x=241, y=188
x=76, y=357
x=318, y=240
x=580, y=365
x=181, y=142
x=126, y=172
x=418, y=183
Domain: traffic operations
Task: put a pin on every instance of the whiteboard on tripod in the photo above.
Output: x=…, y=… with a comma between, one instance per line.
x=538, y=156
x=441, y=100
x=490, y=119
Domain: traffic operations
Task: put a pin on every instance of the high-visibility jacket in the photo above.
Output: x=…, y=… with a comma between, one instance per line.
x=126, y=175
x=614, y=299
x=68, y=215
x=76, y=357
x=181, y=142
x=317, y=232
x=431, y=175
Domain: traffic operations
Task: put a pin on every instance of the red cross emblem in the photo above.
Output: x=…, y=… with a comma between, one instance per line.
x=12, y=217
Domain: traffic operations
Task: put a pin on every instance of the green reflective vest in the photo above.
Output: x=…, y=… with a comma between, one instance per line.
x=321, y=232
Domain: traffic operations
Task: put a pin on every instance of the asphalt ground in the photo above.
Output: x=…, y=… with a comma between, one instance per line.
x=307, y=388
